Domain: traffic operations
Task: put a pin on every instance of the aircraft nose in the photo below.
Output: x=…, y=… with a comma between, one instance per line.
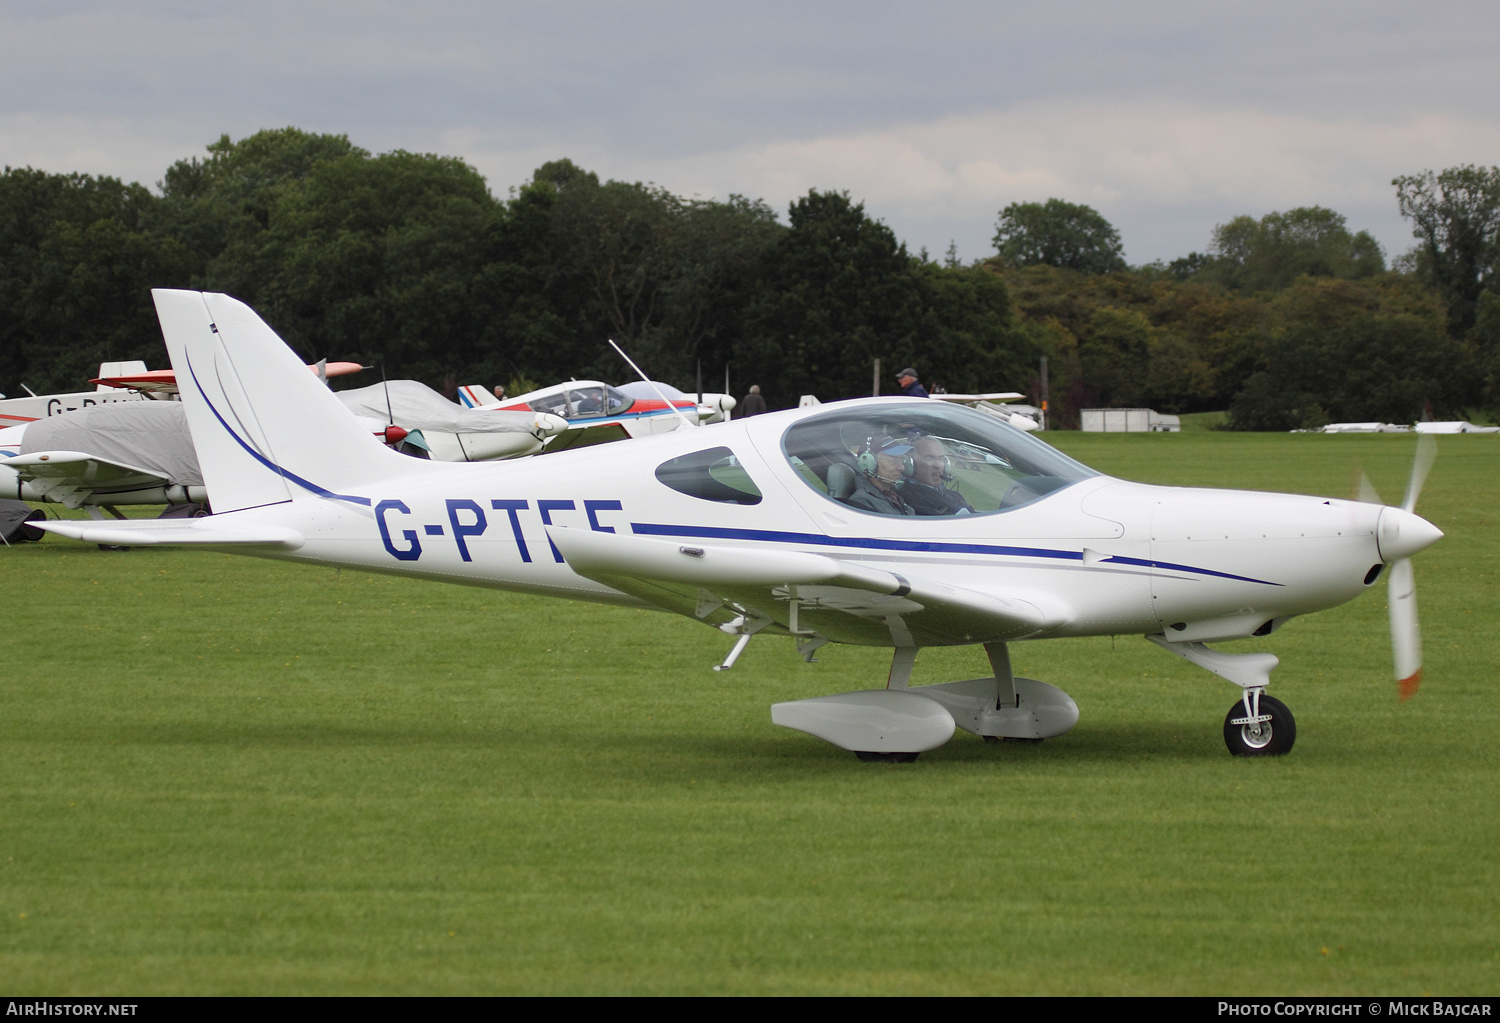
x=1402, y=534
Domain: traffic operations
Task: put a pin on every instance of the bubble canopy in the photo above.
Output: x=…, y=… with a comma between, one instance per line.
x=927, y=458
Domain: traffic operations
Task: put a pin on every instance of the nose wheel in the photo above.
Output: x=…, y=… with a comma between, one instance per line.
x=1259, y=726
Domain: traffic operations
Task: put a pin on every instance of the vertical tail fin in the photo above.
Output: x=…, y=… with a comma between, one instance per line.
x=266, y=430
x=475, y=396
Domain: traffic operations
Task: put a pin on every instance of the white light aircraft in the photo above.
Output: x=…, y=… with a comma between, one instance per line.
x=121, y=381
x=1024, y=417
x=15, y=411
x=110, y=446
x=597, y=413
x=801, y=524
x=141, y=452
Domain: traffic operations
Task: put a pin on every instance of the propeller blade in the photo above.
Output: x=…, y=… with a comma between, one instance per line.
x=1406, y=639
x=1366, y=491
x=1420, y=466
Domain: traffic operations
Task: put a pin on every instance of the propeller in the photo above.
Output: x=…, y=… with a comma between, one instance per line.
x=1400, y=536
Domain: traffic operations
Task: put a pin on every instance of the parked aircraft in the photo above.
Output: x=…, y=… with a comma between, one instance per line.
x=712, y=406
x=102, y=456
x=159, y=382
x=14, y=411
x=775, y=525
x=142, y=453
x=121, y=381
x=1023, y=417
x=598, y=413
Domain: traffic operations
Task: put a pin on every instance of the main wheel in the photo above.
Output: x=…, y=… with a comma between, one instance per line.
x=1271, y=739
x=886, y=758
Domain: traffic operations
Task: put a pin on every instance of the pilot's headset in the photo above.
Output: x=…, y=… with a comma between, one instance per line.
x=912, y=438
x=867, y=463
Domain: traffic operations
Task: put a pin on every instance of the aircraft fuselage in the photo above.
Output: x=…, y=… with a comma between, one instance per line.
x=1119, y=557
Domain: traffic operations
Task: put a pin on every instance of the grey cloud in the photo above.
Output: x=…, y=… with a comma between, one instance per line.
x=659, y=84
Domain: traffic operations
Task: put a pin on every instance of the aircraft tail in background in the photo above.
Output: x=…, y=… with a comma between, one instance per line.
x=475, y=396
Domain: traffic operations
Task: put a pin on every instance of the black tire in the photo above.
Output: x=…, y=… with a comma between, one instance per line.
x=886, y=758
x=1277, y=739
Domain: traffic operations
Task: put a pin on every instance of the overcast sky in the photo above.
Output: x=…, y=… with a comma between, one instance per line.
x=1166, y=117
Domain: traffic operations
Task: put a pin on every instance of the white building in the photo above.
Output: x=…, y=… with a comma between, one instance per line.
x=1129, y=420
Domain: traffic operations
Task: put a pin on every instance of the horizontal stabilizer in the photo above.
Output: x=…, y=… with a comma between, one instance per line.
x=204, y=532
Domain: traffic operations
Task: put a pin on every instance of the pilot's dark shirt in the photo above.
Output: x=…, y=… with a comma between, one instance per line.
x=926, y=500
x=915, y=390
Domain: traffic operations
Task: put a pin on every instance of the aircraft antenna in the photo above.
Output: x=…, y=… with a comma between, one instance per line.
x=389, y=414
x=649, y=381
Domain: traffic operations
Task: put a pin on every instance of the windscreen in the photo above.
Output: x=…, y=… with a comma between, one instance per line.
x=584, y=401
x=929, y=459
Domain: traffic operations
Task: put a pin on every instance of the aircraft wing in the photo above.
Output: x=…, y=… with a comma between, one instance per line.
x=152, y=381
x=204, y=532
x=845, y=601
x=970, y=399
x=70, y=477
x=582, y=436
x=164, y=381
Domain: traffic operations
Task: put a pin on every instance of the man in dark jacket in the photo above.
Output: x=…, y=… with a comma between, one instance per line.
x=910, y=385
x=753, y=405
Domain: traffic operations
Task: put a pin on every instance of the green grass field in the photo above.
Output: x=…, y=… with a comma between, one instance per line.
x=230, y=776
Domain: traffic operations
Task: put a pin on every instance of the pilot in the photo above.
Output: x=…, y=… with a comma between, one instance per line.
x=883, y=467
x=928, y=490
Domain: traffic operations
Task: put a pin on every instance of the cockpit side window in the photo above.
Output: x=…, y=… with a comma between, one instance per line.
x=714, y=474
x=937, y=460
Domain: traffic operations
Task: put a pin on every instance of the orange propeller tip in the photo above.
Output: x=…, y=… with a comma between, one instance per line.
x=1408, y=686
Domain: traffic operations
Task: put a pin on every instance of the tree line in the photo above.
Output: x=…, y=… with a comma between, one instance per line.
x=409, y=262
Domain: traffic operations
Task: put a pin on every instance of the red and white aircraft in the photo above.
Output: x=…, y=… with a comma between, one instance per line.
x=598, y=413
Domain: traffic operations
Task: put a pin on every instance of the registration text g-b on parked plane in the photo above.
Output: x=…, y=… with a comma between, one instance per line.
x=897, y=522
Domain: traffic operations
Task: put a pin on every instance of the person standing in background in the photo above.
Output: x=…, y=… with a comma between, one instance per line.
x=910, y=385
x=752, y=404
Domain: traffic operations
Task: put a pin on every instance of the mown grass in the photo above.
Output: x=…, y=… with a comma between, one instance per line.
x=225, y=775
